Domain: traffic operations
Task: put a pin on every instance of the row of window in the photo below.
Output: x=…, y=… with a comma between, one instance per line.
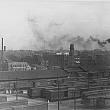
x=20, y=65
x=18, y=69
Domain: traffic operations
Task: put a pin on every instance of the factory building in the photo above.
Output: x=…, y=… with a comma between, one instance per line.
x=62, y=59
x=54, y=59
x=71, y=55
x=18, y=66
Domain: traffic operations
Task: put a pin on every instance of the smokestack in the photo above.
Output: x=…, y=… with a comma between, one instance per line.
x=4, y=48
x=71, y=55
x=2, y=44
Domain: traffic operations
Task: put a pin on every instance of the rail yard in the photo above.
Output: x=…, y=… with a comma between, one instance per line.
x=81, y=81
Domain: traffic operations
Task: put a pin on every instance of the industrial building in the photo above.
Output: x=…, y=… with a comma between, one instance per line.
x=64, y=77
x=18, y=66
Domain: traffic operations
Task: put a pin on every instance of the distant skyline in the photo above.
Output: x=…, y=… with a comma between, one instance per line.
x=34, y=24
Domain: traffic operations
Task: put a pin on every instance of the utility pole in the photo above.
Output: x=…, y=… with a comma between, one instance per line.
x=16, y=89
x=88, y=80
x=2, y=56
x=58, y=92
x=75, y=99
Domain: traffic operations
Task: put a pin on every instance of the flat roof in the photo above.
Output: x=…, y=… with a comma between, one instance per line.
x=36, y=74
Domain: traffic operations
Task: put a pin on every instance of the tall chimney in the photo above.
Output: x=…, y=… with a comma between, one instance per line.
x=71, y=55
x=4, y=48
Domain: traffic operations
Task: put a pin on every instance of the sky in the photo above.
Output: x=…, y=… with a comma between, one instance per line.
x=35, y=24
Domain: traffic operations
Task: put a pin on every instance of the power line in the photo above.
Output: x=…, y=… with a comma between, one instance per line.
x=31, y=79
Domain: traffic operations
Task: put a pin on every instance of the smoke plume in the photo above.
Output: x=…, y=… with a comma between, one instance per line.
x=53, y=37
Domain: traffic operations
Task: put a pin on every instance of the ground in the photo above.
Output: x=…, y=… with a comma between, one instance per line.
x=64, y=105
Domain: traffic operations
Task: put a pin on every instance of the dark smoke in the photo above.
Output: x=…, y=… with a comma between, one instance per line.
x=51, y=39
x=100, y=43
x=108, y=40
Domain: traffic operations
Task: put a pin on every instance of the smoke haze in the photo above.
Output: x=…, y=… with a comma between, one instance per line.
x=51, y=38
x=42, y=25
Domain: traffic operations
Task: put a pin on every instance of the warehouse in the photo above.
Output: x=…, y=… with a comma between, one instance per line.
x=54, y=93
x=25, y=75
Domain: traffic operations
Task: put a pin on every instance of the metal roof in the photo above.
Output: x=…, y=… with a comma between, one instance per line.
x=36, y=74
x=97, y=68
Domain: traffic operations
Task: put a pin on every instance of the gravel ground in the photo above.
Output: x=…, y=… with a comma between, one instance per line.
x=64, y=105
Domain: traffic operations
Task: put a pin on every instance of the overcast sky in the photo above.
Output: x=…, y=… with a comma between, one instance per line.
x=20, y=18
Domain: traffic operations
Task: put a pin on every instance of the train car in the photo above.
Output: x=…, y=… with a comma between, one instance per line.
x=105, y=92
x=34, y=92
x=23, y=84
x=53, y=93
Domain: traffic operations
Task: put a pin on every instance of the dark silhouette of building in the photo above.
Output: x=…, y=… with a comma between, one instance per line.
x=71, y=55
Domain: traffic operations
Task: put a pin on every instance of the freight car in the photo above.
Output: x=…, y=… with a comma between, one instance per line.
x=35, y=92
x=51, y=93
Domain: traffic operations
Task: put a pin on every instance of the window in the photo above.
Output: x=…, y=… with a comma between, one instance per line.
x=65, y=93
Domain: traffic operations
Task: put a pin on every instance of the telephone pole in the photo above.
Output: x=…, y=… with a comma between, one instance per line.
x=16, y=89
x=2, y=56
x=75, y=99
x=58, y=92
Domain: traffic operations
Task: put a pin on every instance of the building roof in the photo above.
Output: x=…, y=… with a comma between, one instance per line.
x=35, y=74
x=97, y=68
x=17, y=63
x=75, y=68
